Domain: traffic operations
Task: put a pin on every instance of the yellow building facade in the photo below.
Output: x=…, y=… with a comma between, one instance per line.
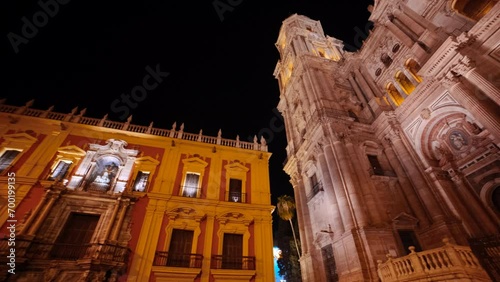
x=86, y=199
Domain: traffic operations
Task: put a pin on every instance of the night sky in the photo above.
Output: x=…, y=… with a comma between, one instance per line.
x=215, y=68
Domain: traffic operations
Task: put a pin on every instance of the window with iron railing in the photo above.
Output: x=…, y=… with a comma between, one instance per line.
x=235, y=191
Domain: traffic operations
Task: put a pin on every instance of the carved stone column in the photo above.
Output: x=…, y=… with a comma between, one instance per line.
x=357, y=90
x=338, y=225
x=409, y=22
x=303, y=217
x=474, y=205
x=365, y=186
x=421, y=186
x=364, y=85
x=124, y=203
x=340, y=193
x=407, y=41
x=51, y=199
x=467, y=68
x=410, y=194
x=488, y=118
x=350, y=183
x=455, y=201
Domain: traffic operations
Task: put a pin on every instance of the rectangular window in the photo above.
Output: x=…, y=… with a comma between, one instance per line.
x=60, y=171
x=235, y=190
x=408, y=238
x=232, y=251
x=74, y=238
x=191, y=185
x=329, y=264
x=141, y=181
x=375, y=165
x=179, y=251
x=7, y=158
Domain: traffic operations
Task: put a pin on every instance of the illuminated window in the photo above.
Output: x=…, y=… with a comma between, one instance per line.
x=413, y=67
x=7, y=159
x=60, y=170
x=404, y=82
x=235, y=194
x=141, y=181
x=396, y=98
x=473, y=9
x=191, y=185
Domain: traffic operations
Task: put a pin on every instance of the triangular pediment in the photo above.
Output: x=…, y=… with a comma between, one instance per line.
x=71, y=150
x=404, y=220
x=195, y=161
x=20, y=137
x=147, y=160
x=236, y=166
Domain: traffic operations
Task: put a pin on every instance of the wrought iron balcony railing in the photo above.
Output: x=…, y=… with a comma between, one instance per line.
x=236, y=197
x=233, y=262
x=178, y=260
x=190, y=191
x=102, y=252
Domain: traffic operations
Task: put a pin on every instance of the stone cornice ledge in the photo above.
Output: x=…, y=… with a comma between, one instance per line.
x=232, y=274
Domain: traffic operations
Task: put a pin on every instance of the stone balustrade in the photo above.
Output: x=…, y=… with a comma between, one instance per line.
x=71, y=117
x=448, y=263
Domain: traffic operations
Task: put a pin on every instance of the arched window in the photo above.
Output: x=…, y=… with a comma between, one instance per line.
x=396, y=98
x=413, y=67
x=404, y=82
x=473, y=9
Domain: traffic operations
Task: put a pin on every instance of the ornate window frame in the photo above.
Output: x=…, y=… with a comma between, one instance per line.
x=193, y=165
x=21, y=142
x=236, y=170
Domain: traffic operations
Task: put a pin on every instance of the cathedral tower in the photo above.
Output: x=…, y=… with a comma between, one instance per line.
x=370, y=164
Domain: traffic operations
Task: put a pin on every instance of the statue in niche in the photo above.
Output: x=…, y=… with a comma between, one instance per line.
x=107, y=174
x=458, y=140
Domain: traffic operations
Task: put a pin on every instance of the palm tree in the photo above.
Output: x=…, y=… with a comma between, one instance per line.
x=286, y=209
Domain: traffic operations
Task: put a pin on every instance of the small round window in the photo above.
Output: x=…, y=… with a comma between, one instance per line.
x=395, y=48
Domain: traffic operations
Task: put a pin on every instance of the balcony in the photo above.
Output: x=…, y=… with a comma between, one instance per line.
x=449, y=262
x=190, y=191
x=235, y=197
x=227, y=262
x=178, y=260
x=105, y=253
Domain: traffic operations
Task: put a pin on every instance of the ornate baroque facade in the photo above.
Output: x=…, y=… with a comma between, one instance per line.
x=393, y=150
x=97, y=200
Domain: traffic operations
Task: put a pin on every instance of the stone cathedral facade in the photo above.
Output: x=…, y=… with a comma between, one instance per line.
x=393, y=150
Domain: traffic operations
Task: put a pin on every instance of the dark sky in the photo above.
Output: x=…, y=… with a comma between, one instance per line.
x=220, y=65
